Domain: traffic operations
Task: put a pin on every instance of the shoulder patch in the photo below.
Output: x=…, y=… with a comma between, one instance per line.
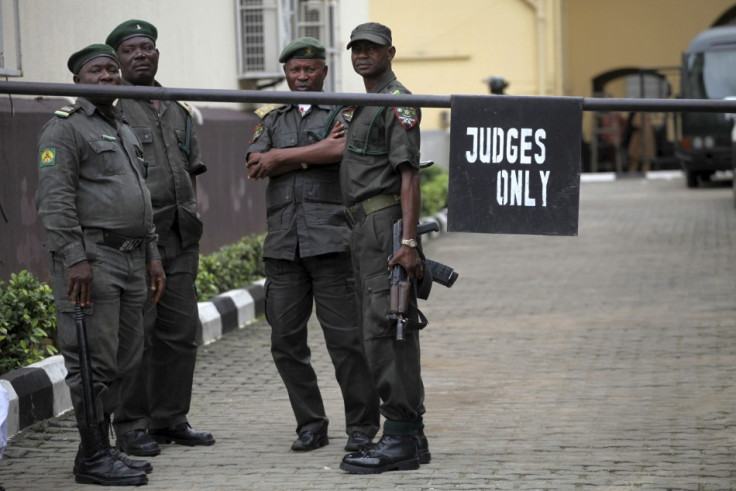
x=65, y=111
x=187, y=107
x=407, y=116
x=267, y=108
x=347, y=113
x=47, y=157
x=257, y=131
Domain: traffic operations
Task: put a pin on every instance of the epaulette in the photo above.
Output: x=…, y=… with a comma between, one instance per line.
x=65, y=111
x=187, y=107
x=267, y=108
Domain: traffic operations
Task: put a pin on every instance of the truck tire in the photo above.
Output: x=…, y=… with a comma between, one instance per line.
x=692, y=179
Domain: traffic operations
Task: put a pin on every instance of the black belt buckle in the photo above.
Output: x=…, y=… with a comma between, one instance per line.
x=123, y=244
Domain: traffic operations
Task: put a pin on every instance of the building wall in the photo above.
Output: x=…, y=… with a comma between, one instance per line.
x=231, y=205
x=603, y=35
x=452, y=47
x=197, y=40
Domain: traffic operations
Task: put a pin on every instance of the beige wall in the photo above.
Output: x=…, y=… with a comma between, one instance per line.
x=451, y=47
x=603, y=35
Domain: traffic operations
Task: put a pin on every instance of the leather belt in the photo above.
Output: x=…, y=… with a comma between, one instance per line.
x=359, y=211
x=123, y=244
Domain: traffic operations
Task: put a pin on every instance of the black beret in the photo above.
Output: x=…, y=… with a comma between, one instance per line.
x=373, y=32
x=131, y=28
x=80, y=58
x=304, y=49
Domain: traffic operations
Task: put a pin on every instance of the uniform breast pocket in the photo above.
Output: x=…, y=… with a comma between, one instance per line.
x=358, y=137
x=109, y=159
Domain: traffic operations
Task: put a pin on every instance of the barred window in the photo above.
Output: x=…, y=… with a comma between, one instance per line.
x=266, y=26
x=10, y=58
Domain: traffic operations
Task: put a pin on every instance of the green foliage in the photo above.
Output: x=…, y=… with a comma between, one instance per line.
x=232, y=266
x=434, y=181
x=27, y=322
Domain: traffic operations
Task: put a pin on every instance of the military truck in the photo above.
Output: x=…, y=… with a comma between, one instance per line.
x=708, y=72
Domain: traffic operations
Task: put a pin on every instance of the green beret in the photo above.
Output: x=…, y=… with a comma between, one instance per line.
x=131, y=28
x=304, y=49
x=373, y=32
x=80, y=58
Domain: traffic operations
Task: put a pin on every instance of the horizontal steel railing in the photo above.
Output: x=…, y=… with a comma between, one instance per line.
x=358, y=99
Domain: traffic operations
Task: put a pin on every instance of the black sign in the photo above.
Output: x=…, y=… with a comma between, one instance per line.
x=515, y=165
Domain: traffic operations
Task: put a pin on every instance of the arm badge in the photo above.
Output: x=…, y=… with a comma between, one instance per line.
x=407, y=116
x=347, y=114
x=257, y=131
x=47, y=157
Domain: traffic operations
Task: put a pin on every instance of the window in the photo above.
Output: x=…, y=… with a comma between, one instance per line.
x=10, y=65
x=266, y=26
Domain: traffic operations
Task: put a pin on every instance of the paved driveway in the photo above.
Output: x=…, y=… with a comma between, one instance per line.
x=604, y=360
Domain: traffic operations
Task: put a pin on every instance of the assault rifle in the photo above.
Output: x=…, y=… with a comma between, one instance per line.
x=401, y=285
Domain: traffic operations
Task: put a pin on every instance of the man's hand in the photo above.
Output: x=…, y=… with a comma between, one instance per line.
x=262, y=165
x=157, y=278
x=410, y=260
x=79, y=283
x=335, y=141
x=278, y=161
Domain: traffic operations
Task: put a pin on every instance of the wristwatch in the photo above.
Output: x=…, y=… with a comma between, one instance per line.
x=304, y=166
x=409, y=242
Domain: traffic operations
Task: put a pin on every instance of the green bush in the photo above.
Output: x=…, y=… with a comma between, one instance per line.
x=232, y=266
x=434, y=181
x=27, y=322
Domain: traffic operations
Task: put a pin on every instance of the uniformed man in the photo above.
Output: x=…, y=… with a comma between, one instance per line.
x=380, y=184
x=94, y=204
x=299, y=147
x=156, y=403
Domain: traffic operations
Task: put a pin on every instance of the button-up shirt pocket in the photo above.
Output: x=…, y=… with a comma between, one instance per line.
x=109, y=159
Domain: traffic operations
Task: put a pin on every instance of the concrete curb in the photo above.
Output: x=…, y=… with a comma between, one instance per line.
x=39, y=392
x=612, y=176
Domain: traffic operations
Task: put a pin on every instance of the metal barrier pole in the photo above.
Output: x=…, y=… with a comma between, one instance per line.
x=359, y=99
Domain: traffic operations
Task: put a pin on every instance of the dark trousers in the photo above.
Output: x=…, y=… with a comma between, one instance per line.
x=160, y=394
x=395, y=365
x=291, y=289
x=113, y=320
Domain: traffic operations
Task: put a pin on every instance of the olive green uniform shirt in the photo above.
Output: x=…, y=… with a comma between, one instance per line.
x=376, y=144
x=91, y=175
x=304, y=208
x=171, y=150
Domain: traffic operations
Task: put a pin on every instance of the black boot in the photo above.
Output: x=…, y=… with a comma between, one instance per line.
x=138, y=465
x=97, y=464
x=390, y=453
x=422, y=446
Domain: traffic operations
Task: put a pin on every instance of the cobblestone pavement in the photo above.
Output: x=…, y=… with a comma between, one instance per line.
x=605, y=360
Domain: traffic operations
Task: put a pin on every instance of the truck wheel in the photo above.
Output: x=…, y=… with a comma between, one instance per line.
x=691, y=178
